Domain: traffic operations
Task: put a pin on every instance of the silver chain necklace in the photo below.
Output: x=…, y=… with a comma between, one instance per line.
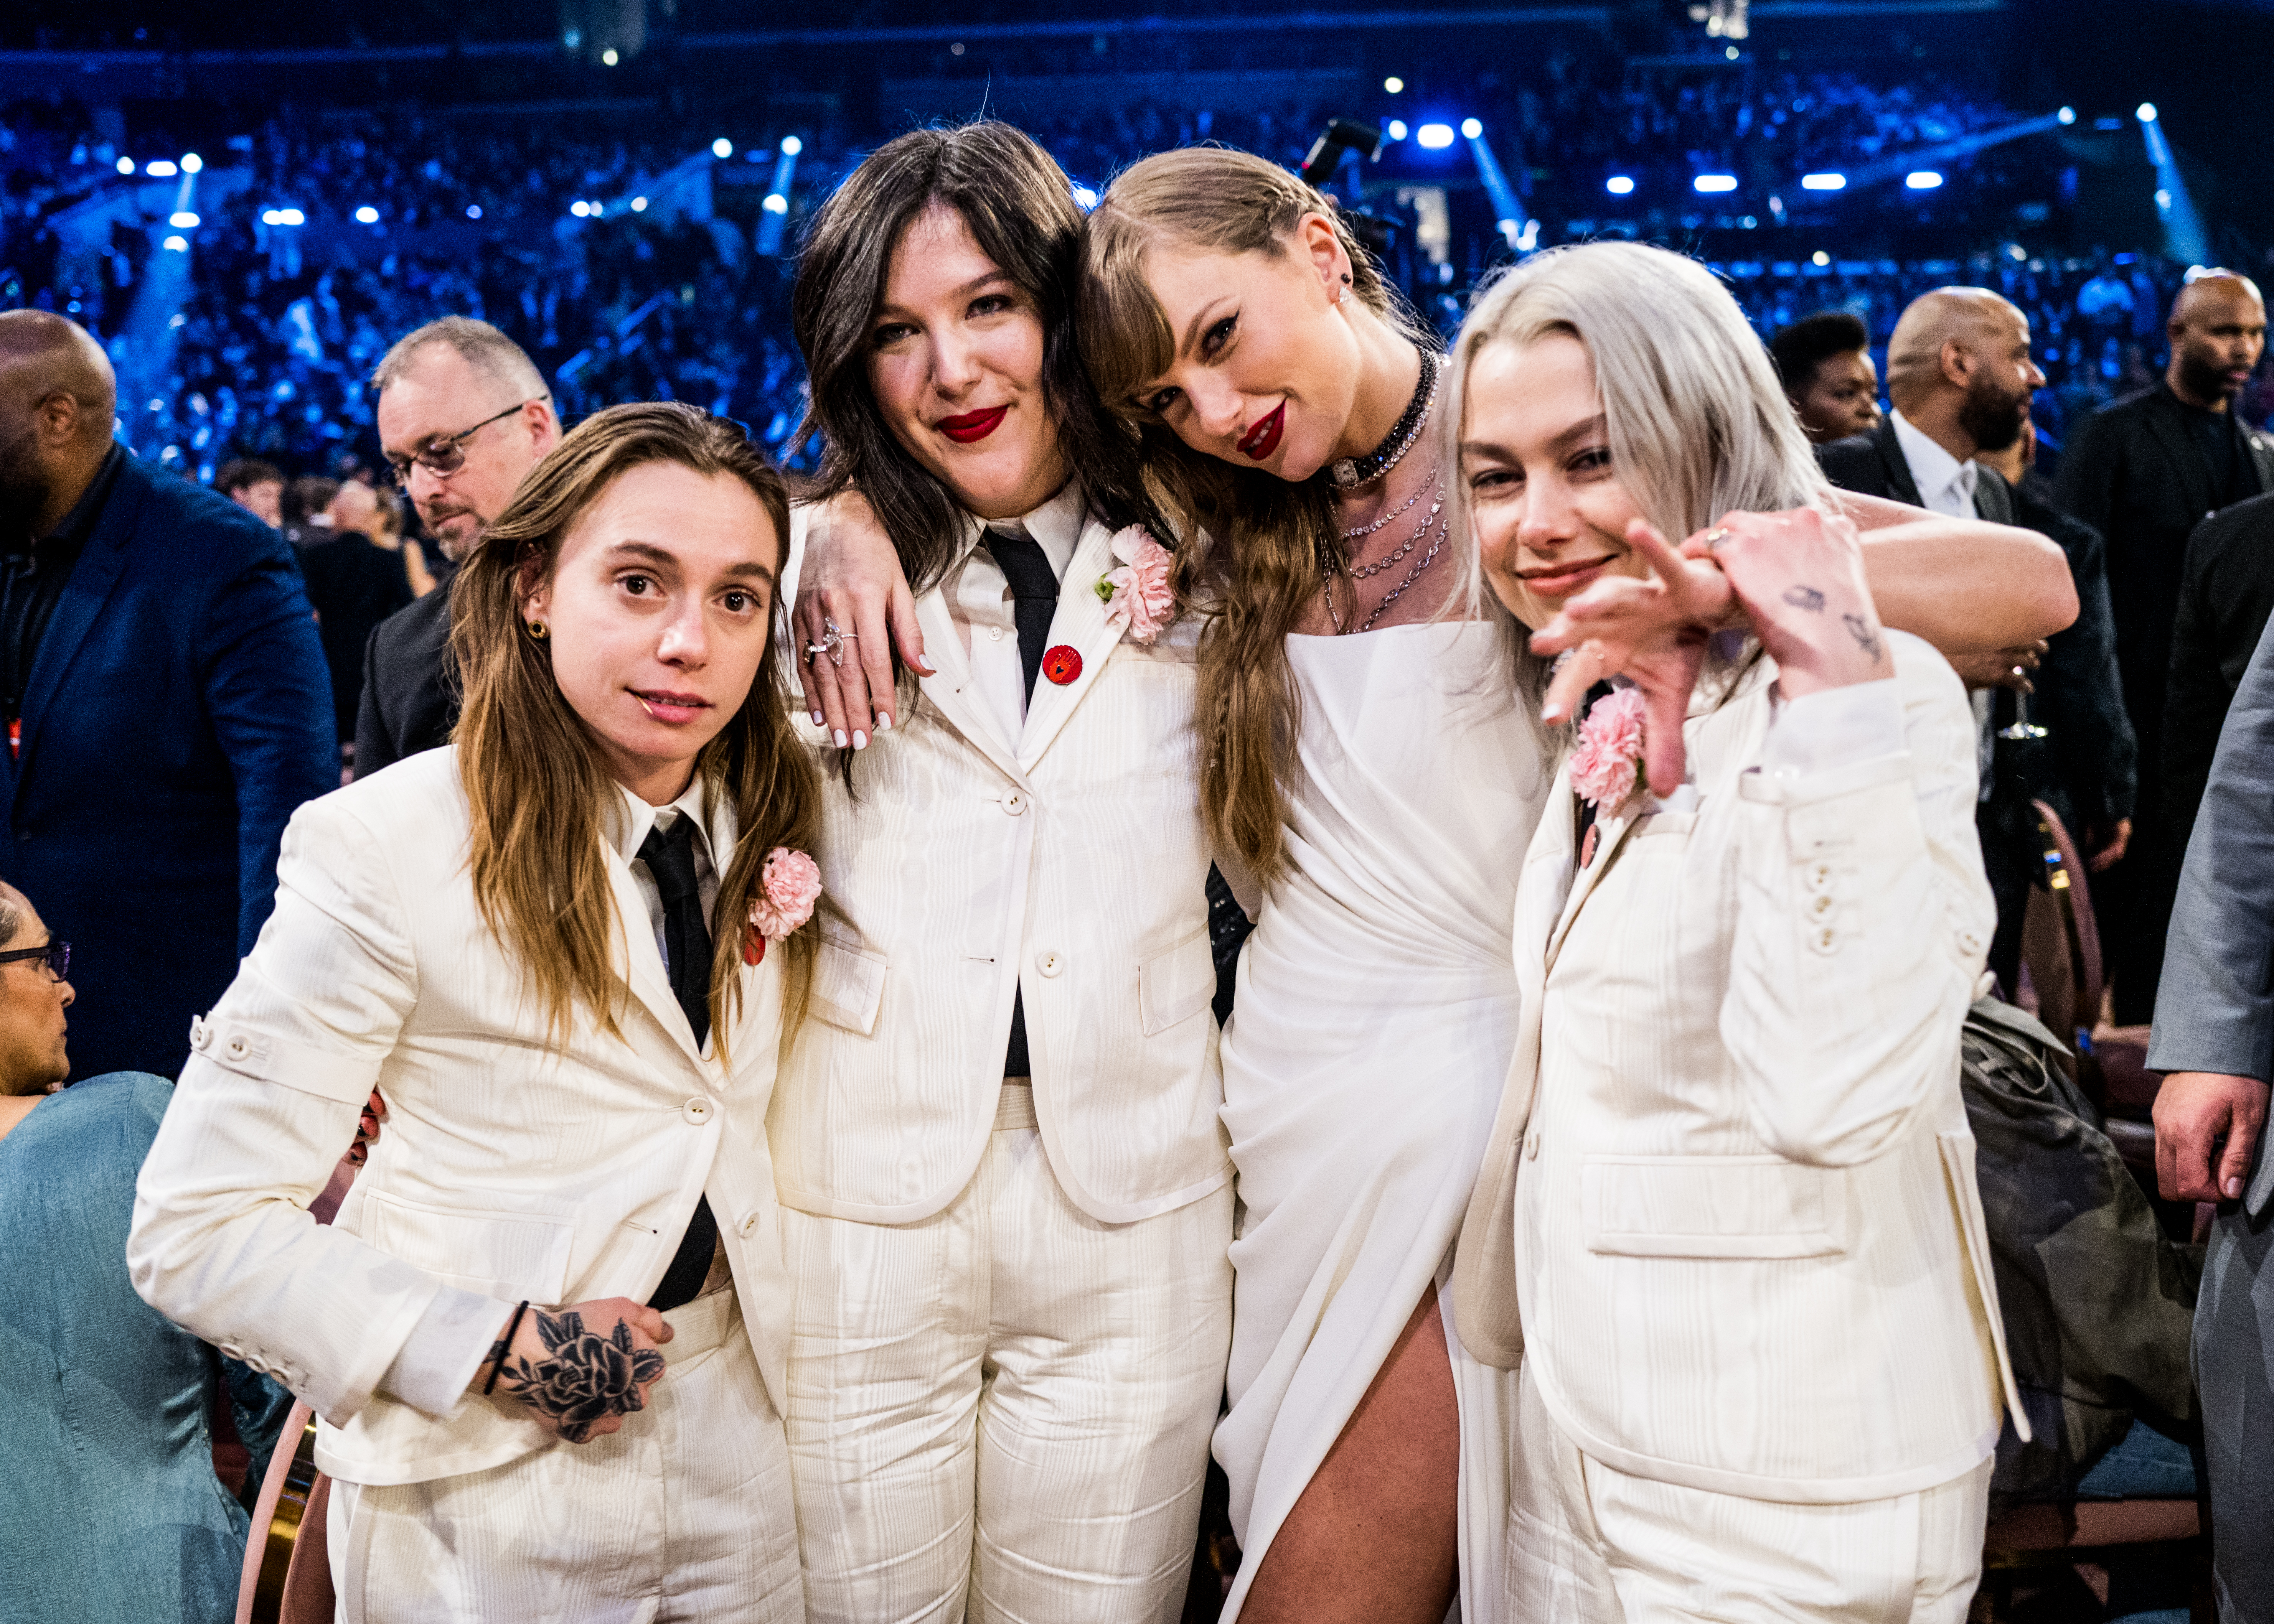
x=1366, y=572
x=1429, y=480
x=1436, y=520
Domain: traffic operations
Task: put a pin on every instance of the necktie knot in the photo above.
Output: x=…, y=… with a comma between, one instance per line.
x=1024, y=565
x=669, y=855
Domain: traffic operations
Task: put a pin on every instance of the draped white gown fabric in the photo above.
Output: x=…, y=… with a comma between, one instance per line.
x=1375, y=1020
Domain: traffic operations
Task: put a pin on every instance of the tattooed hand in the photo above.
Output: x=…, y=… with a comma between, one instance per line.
x=1799, y=578
x=579, y=1371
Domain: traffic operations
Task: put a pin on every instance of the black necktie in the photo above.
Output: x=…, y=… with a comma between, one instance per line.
x=670, y=859
x=1034, y=601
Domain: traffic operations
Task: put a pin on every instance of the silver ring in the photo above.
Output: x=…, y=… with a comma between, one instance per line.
x=1714, y=538
x=813, y=650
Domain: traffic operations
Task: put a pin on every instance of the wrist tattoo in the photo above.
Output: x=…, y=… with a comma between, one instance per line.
x=1805, y=597
x=1866, y=639
x=583, y=1376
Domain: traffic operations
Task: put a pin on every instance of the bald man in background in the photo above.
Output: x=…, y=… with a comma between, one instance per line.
x=463, y=415
x=164, y=701
x=2144, y=471
x=1960, y=376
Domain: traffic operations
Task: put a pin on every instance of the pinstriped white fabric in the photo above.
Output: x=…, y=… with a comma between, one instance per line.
x=1070, y=861
x=1592, y=1545
x=683, y=1516
x=1731, y=1182
x=1002, y=1411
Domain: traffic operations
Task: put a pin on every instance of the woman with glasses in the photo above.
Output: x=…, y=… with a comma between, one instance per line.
x=545, y=1333
x=104, y=1423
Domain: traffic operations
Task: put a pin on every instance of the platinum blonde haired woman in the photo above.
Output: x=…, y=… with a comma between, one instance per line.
x=1728, y=1224
x=1361, y=755
x=546, y=1332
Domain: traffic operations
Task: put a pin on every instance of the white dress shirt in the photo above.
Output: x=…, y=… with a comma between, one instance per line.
x=978, y=596
x=454, y=1335
x=1945, y=484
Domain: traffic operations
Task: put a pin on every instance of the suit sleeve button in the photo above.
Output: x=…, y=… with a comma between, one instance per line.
x=697, y=1112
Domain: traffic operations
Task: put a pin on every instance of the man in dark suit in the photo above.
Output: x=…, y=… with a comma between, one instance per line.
x=463, y=415
x=2145, y=473
x=2214, y=1034
x=2226, y=595
x=1960, y=376
x=165, y=703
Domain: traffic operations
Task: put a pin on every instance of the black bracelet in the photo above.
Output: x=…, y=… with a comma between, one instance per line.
x=505, y=1345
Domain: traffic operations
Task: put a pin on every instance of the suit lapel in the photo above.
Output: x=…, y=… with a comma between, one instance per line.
x=1079, y=624
x=636, y=962
x=1608, y=846
x=1901, y=486
x=949, y=688
x=2179, y=449
x=84, y=592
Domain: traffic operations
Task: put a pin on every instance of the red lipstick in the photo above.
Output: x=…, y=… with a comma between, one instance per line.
x=1262, y=440
x=973, y=426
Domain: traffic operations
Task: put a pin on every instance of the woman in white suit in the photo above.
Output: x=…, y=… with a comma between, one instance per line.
x=545, y=1333
x=1728, y=1219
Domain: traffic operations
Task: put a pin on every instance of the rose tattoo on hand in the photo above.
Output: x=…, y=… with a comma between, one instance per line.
x=583, y=1377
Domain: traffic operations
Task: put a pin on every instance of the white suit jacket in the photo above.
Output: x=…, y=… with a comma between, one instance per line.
x=1074, y=857
x=1727, y=1212
x=508, y=1167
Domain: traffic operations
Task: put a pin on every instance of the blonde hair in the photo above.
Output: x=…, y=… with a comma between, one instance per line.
x=1698, y=425
x=533, y=777
x=1248, y=559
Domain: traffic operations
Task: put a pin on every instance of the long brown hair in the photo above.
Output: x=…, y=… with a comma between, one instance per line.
x=1250, y=559
x=1019, y=207
x=534, y=779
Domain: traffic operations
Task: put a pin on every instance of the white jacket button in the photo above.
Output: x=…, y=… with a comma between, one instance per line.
x=749, y=1226
x=1820, y=876
x=1823, y=939
x=1531, y=1145
x=697, y=1111
x=1822, y=904
x=200, y=1035
x=1049, y=962
x=1014, y=803
x=237, y=1048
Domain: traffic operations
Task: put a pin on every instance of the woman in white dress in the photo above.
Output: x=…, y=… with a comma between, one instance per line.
x=1285, y=402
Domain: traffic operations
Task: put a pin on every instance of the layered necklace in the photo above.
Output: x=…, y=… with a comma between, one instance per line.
x=1375, y=464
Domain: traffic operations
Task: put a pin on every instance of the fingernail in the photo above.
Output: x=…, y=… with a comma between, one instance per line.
x=819, y=719
x=860, y=740
x=884, y=723
x=840, y=736
x=2234, y=1189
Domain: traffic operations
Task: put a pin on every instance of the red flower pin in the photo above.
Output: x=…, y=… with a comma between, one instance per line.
x=1062, y=665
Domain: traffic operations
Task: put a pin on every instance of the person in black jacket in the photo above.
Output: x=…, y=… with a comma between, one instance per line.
x=463, y=415
x=1960, y=376
x=2145, y=473
x=2227, y=594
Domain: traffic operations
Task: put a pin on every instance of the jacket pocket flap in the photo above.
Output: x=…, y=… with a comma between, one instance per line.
x=848, y=986
x=1713, y=1206
x=507, y=1254
x=1177, y=985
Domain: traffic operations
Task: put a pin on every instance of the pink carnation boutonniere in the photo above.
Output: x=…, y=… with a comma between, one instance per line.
x=789, y=886
x=1138, y=594
x=1608, y=764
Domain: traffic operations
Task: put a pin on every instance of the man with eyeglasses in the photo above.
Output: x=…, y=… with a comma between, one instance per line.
x=163, y=707
x=463, y=415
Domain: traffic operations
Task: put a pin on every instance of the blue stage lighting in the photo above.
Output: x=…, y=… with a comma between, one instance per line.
x=192, y=163
x=177, y=244
x=722, y=149
x=1436, y=138
x=1397, y=129
x=2068, y=115
x=367, y=215
x=473, y=211
x=2145, y=113
x=1922, y=180
x=162, y=169
x=639, y=206
x=1471, y=128
x=1714, y=182
x=791, y=145
x=775, y=204
x=182, y=220
x=1393, y=84
x=1619, y=185
x=126, y=166
x=578, y=209
x=1824, y=182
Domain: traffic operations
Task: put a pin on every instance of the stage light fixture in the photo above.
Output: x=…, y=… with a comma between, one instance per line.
x=1820, y=258
x=776, y=203
x=2145, y=113
x=1714, y=182
x=192, y=163
x=1084, y=199
x=162, y=169
x=1471, y=128
x=639, y=206
x=1731, y=52
x=608, y=57
x=182, y=220
x=1824, y=182
x=1396, y=128
x=126, y=166
x=1619, y=185
x=367, y=215
x=1436, y=138
x=177, y=244
x=1393, y=84
x=791, y=145
x=2068, y=115
x=722, y=149
x=1922, y=180
x=578, y=209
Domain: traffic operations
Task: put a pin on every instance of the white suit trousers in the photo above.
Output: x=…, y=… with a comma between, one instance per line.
x=1002, y=1412
x=1588, y=1544
x=683, y=1514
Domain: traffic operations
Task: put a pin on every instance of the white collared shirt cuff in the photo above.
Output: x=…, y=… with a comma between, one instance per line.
x=1834, y=727
x=444, y=1350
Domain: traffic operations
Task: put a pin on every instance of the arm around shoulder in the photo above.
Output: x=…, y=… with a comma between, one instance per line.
x=1964, y=585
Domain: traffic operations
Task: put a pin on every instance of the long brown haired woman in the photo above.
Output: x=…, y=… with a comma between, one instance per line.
x=545, y=1333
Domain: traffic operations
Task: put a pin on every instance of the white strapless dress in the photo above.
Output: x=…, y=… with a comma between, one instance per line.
x=1375, y=1019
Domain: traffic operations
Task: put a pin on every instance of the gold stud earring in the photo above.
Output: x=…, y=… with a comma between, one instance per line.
x=537, y=632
